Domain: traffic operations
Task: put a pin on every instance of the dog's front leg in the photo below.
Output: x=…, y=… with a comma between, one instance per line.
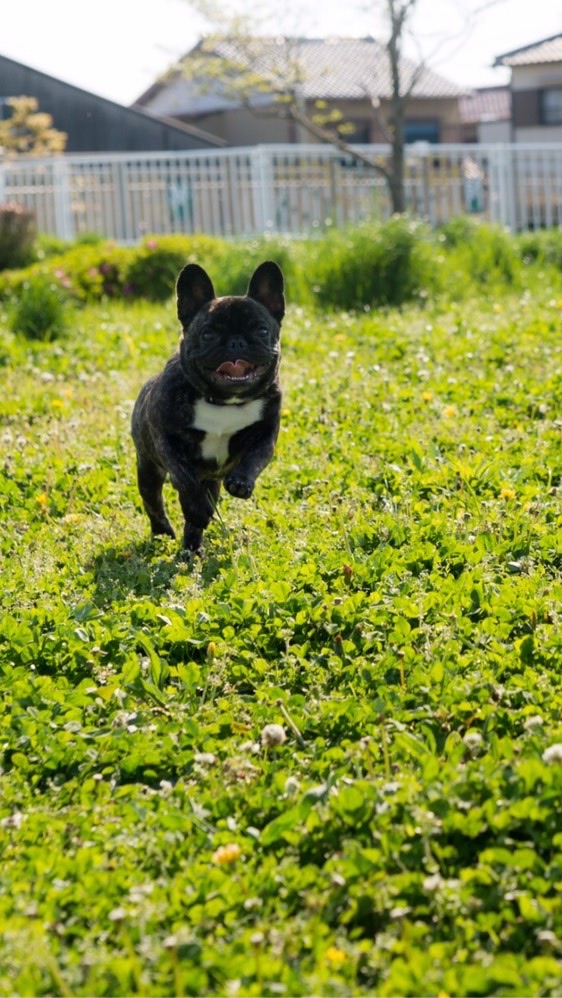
x=255, y=456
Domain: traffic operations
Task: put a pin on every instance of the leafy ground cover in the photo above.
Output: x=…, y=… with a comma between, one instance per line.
x=326, y=758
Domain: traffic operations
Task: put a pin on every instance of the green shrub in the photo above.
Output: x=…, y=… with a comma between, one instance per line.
x=543, y=247
x=369, y=266
x=48, y=245
x=154, y=266
x=17, y=235
x=485, y=254
x=93, y=271
x=355, y=268
x=153, y=270
x=40, y=313
x=238, y=263
x=458, y=231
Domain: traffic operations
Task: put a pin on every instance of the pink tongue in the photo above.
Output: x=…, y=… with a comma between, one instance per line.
x=237, y=369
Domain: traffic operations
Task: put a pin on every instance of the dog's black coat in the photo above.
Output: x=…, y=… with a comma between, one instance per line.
x=212, y=414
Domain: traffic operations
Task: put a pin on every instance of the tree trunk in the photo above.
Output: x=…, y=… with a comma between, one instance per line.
x=397, y=16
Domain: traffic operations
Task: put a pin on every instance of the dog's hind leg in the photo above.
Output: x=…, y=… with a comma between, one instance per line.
x=150, y=480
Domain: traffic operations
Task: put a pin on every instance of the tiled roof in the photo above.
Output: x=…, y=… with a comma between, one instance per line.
x=486, y=104
x=329, y=69
x=547, y=50
x=351, y=68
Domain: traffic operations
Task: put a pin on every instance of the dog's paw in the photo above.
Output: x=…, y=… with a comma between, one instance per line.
x=192, y=539
x=238, y=485
x=163, y=528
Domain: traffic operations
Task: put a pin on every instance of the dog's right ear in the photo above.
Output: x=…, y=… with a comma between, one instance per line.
x=194, y=289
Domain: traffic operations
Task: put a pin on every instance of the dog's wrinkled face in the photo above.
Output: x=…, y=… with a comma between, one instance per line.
x=230, y=347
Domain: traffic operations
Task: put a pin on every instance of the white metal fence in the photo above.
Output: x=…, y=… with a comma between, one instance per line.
x=281, y=189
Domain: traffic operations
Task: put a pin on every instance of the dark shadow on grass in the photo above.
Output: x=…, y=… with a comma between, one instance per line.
x=150, y=567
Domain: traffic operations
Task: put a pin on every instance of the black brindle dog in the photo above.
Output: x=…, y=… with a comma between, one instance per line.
x=212, y=415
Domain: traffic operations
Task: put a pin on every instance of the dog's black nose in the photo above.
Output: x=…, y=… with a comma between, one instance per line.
x=236, y=345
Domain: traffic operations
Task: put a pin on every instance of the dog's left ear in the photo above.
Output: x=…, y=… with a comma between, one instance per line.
x=194, y=289
x=267, y=287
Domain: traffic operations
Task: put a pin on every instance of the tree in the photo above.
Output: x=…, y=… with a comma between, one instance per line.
x=268, y=79
x=28, y=131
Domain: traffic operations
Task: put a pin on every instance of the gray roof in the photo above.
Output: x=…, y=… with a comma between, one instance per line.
x=547, y=50
x=325, y=68
x=350, y=68
x=95, y=124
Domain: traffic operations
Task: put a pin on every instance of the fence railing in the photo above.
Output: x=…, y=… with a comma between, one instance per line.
x=281, y=189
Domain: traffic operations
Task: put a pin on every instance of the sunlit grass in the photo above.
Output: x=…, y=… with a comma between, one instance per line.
x=390, y=597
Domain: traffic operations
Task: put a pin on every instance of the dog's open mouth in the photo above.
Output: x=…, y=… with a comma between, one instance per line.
x=238, y=371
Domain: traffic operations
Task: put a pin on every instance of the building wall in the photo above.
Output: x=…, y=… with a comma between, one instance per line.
x=241, y=127
x=536, y=77
x=538, y=134
x=494, y=131
x=528, y=84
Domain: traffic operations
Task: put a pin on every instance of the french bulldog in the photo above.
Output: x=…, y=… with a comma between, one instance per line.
x=212, y=415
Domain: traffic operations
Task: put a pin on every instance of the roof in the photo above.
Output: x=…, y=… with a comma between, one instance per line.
x=326, y=69
x=94, y=123
x=486, y=104
x=546, y=50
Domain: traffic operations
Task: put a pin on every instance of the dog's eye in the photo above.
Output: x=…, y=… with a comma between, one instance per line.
x=207, y=333
x=263, y=331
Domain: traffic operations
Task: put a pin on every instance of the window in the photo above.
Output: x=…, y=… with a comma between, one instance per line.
x=421, y=131
x=361, y=134
x=551, y=106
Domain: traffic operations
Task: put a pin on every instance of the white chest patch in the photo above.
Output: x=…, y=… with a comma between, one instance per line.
x=220, y=422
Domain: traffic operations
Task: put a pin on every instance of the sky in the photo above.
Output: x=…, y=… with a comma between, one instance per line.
x=118, y=48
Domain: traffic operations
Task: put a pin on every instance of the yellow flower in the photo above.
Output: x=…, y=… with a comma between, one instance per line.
x=335, y=956
x=449, y=411
x=130, y=344
x=507, y=493
x=42, y=499
x=57, y=403
x=225, y=855
x=427, y=396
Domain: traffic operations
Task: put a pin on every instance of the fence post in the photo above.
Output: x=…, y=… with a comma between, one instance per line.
x=504, y=207
x=64, y=221
x=262, y=182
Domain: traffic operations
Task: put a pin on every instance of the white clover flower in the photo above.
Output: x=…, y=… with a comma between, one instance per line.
x=553, y=753
x=472, y=740
x=292, y=786
x=273, y=734
x=433, y=882
x=535, y=721
x=205, y=758
x=12, y=821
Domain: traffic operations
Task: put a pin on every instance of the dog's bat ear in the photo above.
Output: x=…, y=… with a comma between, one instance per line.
x=194, y=289
x=267, y=287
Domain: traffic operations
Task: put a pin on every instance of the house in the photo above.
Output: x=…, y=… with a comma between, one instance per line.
x=351, y=76
x=92, y=123
x=486, y=115
x=536, y=90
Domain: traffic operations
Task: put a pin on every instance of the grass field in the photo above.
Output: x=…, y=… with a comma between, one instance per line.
x=390, y=598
